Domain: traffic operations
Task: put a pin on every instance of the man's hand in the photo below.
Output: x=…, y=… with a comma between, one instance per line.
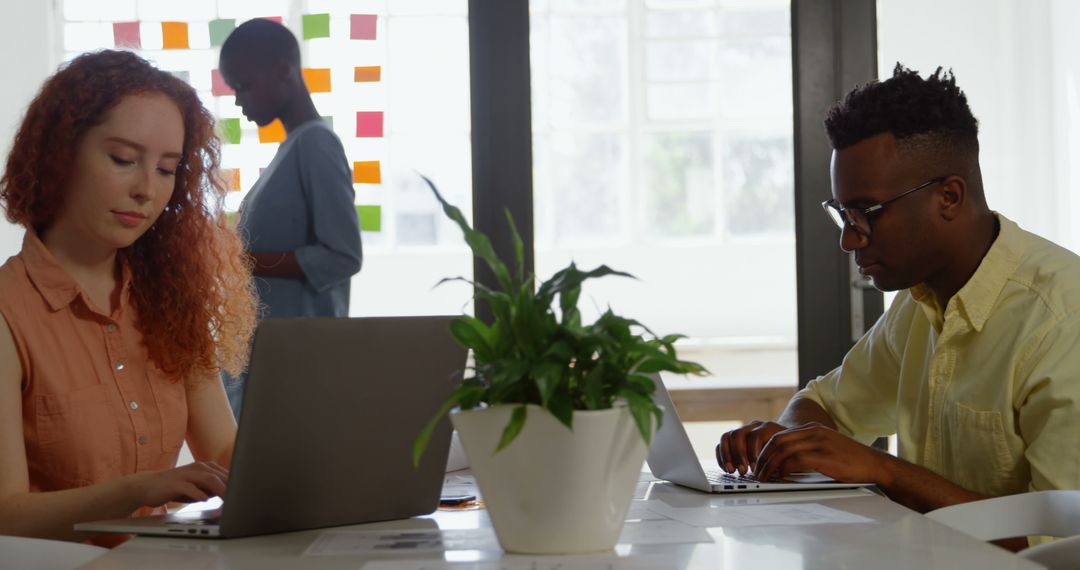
x=814, y=447
x=739, y=448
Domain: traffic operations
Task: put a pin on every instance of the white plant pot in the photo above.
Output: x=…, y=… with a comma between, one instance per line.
x=552, y=490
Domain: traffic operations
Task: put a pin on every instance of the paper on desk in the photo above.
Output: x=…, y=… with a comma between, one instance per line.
x=639, y=510
x=527, y=563
x=358, y=542
x=663, y=531
x=789, y=514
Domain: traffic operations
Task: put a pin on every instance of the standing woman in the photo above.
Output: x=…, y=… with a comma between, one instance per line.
x=128, y=295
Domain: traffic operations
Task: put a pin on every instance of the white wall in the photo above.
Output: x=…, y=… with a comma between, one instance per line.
x=26, y=42
x=1017, y=62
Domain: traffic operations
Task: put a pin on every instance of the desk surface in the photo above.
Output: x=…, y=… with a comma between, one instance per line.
x=886, y=536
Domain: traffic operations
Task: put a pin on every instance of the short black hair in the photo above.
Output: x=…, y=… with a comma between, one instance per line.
x=931, y=112
x=262, y=42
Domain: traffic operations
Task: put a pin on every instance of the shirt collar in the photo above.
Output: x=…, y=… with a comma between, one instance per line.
x=52, y=281
x=977, y=297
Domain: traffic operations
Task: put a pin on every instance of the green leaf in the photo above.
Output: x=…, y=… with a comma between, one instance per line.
x=519, y=248
x=477, y=241
x=562, y=408
x=641, y=408
x=474, y=334
x=547, y=375
x=512, y=429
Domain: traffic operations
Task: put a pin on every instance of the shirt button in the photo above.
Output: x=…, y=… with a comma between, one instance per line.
x=134, y=405
x=119, y=365
x=111, y=327
x=142, y=440
x=940, y=379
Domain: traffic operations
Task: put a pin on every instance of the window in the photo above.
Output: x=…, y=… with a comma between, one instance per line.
x=662, y=143
x=403, y=65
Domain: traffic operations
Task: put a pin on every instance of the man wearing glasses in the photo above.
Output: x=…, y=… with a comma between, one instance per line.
x=976, y=365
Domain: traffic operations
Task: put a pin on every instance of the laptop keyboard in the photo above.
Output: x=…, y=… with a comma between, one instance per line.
x=718, y=477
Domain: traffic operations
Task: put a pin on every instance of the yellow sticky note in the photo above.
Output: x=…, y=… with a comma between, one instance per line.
x=367, y=74
x=317, y=79
x=367, y=172
x=174, y=35
x=272, y=133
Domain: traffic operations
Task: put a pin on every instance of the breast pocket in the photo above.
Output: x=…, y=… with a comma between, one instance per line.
x=979, y=449
x=171, y=399
x=78, y=438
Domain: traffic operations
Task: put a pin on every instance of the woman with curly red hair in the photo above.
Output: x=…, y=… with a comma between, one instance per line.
x=129, y=293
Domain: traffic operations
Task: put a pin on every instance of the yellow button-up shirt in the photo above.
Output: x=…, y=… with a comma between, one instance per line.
x=986, y=393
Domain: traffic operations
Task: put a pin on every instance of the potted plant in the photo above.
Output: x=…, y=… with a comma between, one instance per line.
x=556, y=415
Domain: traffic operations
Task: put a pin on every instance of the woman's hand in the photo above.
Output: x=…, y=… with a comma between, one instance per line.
x=191, y=483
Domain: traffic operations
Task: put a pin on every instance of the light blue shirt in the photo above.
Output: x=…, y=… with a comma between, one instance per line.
x=304, y=202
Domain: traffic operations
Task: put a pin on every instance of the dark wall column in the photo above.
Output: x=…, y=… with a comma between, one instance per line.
x=501, y=128
x=834, y=48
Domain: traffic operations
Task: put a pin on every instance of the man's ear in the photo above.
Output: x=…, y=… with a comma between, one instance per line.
x=952, y=194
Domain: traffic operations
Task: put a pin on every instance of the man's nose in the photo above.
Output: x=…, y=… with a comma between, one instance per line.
x=852, y=239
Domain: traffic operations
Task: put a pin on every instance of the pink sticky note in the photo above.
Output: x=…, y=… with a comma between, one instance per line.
x=218, y=87
x=126, y=34
x=272, y=18
x=369, y=124
x=363, y=26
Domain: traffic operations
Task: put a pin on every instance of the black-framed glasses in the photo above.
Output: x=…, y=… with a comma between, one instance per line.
x=859, y=218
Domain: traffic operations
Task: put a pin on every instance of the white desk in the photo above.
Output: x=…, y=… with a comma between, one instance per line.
x=896, y=538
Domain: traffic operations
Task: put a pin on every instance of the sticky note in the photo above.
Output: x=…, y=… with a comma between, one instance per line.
x=370, y=218
x=230, y=219
x=219, y=30
x=218, y=87
x=272, y=133
x=174, y=35
x=369, y=124
x=329, y=119
x=230, y=130
x=316, y=26
x=272, y=18
x=317, y=79
x=367, y=74
x=184, y=76
x=127, y=35
x=363, y=26
x=230, y=177
x=366, y=172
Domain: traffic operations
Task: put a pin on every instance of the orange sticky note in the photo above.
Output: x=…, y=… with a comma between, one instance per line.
x=366, y=172
x=231, y=178
x=367, y=74
x=174, y=35
x=317, y=79
x=272, y=133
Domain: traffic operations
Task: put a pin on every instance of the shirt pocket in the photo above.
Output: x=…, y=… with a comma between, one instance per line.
x=171, y=399
x=78, y=436
x=981, y=450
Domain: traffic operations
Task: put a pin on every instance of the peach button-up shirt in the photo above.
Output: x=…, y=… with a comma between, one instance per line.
x=94, y=406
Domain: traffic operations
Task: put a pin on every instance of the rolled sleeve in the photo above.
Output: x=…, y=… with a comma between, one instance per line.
x=334, y=254
x=861, y=394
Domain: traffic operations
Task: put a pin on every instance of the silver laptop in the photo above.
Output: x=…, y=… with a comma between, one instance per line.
x=331, y=409
x=672, y=457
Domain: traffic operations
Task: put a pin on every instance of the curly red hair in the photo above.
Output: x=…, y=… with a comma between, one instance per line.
x=191, y=281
